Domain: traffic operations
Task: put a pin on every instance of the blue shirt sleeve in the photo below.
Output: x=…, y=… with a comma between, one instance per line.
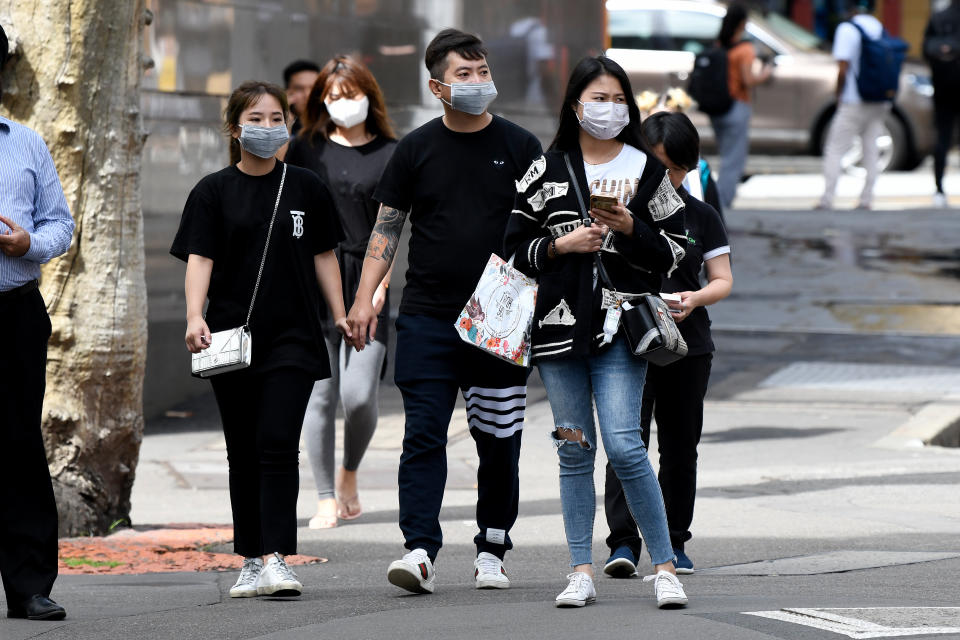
x=52, y=223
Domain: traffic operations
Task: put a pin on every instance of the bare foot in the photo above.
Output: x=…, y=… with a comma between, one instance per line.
x=326, y=517
x=348, y=499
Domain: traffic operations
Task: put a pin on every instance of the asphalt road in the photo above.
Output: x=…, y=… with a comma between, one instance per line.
x=821, y=513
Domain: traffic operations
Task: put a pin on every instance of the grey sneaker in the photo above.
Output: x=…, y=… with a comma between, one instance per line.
x=246, y=586
x=277, y=579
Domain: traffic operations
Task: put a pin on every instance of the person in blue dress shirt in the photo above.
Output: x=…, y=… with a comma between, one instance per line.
x=35, y=226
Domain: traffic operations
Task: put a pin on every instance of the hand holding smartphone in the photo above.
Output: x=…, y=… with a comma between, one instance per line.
x=606, y=203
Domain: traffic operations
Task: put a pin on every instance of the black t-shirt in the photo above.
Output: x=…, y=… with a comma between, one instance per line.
x=459, y=190
x=226, y=219
x=706, y=239
x=352, y=174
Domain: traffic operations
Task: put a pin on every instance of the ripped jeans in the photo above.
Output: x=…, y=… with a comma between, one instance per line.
x=614, y=379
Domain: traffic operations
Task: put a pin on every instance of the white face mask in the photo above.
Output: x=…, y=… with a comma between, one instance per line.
x=348, y=113
x=604, y=120
x=470, y=97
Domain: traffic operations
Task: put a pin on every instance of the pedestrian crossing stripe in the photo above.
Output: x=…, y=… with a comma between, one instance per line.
x=854, y=627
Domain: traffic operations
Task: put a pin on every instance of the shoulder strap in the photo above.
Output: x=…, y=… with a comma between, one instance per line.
x=863, y=33
x=266, y=246
x=587, y=220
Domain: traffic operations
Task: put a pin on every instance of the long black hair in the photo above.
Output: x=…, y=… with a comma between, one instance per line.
x=736, y=15
x=586, y=71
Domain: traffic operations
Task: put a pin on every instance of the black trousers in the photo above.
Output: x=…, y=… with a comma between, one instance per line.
x=945, y=116
x=674, y=395
x=433, y=363
x=28, y=511
x=262, y=414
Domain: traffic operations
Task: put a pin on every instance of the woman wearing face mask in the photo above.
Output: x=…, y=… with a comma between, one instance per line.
x=228, y=220
x=346, y=139
x=674, y=393
x=581, y=355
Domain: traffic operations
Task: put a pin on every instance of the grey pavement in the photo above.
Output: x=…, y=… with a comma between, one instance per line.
x=824, y=508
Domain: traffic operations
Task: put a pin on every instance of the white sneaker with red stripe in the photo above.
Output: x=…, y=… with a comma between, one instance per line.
x=414, y=572
x=489, y=572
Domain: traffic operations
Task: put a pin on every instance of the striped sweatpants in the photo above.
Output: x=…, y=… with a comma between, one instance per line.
x=432, y=365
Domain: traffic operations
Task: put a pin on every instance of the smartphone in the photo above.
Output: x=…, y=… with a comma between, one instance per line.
x=672, y=297
x=602, y=202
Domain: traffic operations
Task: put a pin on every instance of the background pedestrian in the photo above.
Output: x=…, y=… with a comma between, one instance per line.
x=346, y=140
x=855, y=117
x=732, y=129
x=941, y=49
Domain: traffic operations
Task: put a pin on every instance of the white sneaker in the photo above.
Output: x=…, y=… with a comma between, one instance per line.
x=579, y=592
x=277, y=579
x=669, y=590
x=246, y=586
x=489, y=572
x=940, y=200
x=414, y=572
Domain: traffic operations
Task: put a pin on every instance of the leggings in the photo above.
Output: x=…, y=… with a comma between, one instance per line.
x=355, y=379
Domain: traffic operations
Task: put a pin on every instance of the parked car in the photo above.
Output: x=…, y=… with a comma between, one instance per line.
x=655, y=41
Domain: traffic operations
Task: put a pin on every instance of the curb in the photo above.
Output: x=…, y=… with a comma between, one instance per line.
x=936, y=424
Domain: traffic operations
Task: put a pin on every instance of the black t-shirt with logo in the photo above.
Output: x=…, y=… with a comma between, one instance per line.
x=459, y=190
x=352, y=174
x=226, y=219
x=706, y=239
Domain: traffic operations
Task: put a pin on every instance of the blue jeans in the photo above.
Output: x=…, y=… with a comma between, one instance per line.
x=732, y=131
x=615, y=380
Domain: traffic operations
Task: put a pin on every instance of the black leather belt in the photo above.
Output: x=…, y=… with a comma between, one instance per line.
x=19, y=291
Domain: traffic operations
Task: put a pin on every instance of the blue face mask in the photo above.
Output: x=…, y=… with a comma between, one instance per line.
x=263, y=142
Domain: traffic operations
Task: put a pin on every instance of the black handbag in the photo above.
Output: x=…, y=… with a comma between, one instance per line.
x=647, y=323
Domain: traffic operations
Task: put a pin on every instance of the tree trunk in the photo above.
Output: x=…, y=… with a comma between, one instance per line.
x=75, y=79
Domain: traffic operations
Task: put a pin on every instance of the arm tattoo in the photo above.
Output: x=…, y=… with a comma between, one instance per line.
x=386, y=234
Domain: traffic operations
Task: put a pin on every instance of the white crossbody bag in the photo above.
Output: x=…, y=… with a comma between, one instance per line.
x=231, y=349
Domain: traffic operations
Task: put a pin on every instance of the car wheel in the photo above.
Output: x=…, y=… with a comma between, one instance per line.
x=893, y=143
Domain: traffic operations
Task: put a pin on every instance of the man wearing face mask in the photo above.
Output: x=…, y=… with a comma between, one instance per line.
x=456, y=178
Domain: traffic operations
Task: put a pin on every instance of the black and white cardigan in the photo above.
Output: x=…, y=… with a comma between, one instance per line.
x=570, y=307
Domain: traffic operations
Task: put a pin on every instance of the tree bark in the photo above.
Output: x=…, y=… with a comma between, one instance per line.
x=75, y=79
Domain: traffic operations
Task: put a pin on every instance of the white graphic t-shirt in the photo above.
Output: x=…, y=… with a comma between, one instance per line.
x=620, y=177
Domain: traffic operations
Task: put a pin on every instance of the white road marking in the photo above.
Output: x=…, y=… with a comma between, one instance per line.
x=857, y=628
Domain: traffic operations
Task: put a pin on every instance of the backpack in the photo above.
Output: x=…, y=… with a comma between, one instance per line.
x=709, y=82
x=880, y=62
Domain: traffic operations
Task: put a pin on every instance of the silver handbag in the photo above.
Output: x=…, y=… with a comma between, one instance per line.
x=232, y=349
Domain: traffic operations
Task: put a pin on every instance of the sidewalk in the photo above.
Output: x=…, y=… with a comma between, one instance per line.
x=894, y=191
x=790, y=467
